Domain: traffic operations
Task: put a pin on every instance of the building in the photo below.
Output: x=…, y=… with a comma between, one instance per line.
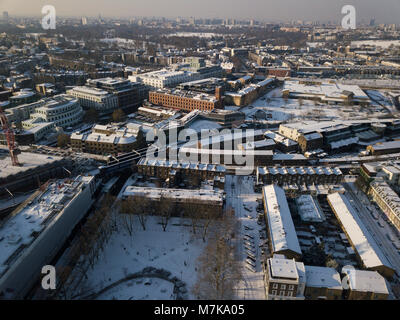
x=336, y=135
x=365, y=285
x=176, y=171
x=285, y=279
x=201, y=198
x=311, y=141
x=322, y=284
x=282, y=143
x=384, y=148
x=96, y=98
x=387, y=200
x=105, y=140
x=250, y=93
x=22, y=97
x=61, y=110
x=184, y=100
x=33, y=236
x=298, y=175
x=281, y=231
x=324, y=91
x=363, y=243
x=164, y=78
x=309, y=209
x=129, y=94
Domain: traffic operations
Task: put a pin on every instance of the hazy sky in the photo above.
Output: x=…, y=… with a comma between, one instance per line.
x=384, y=11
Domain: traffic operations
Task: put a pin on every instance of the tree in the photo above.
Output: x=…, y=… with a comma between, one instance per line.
x=139, y=206
x=219, y=271
x=165, y=208
x=208, y=215
x=118, y=115
x=63, y=140
x=91, y=115
x=191, y=211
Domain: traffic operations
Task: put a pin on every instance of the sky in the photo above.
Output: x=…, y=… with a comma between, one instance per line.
x=384, y=11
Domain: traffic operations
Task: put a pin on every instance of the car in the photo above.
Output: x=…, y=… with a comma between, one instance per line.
x=250, y=262
x=249, y=267
x=250, y=244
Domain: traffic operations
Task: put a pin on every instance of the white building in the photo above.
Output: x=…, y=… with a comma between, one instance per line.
x=358, y=235
x=99, y=99
x=164, y=78
x=32, y=237
x=285, y=279
x=61, y=110
x=282, y=234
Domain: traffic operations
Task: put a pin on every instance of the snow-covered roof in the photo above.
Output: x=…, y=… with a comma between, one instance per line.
x=360, y=237
x=322, y=277
x=283, y=268
x=199, y=195
x=366, y=281
x=21, y=230
x=181, y=164
x=280, y=223
x=309, y=209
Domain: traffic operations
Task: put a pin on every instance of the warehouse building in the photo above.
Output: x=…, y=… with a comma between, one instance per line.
x=363, y=243
x=282, y=234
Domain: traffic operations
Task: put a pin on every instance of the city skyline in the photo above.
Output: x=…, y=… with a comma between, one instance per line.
x=309, y=10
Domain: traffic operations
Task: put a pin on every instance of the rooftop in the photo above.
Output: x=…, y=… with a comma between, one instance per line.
x=281, y=227
x=363, y=241
x=322, y=277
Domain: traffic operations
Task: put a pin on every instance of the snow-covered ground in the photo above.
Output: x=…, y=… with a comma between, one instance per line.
x=278, y=109
x=241, y=197
x=175, y=250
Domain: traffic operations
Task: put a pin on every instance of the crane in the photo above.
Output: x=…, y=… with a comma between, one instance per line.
x=10, y=137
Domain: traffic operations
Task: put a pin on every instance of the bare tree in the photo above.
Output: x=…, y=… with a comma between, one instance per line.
x=165, y=208
x=219, y=272
x=208, y=215
x=143, y=210
x=191, y=211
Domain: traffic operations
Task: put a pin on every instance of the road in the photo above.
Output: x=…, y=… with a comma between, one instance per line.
x=240, y=192
x=378, y=233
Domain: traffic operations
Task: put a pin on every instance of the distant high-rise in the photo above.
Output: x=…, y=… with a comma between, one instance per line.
x=84, y=21
x=5, y=15
x=372, y=22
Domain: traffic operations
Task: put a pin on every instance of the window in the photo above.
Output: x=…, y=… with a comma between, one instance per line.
x=273, y=292
x=282, y=293
x=290, y=294
x=283, y=286
x=291, y=287
x=275, y=286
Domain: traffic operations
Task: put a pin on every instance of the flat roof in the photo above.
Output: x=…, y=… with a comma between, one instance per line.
x=206, y=195
x=20, y=231
x=27, y=160
x=283, y=268
x=322, y=277
x=366, y=281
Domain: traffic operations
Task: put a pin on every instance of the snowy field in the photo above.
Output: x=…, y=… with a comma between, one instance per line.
x=175, y=250
x=277, y=109
x=384, y=44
